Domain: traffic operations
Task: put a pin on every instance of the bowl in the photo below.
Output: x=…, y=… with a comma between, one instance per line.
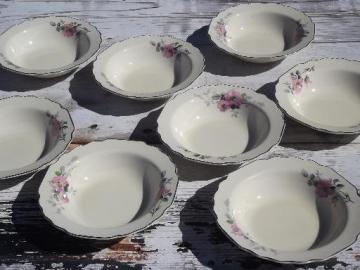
x=220, y=124
x=47, y=47
x=37, y=132
x=148, y=67
x=323, y=94
x=260, y=32
x=108, y=189
x=288, y=210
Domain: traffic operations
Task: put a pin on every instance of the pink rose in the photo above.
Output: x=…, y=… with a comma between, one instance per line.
x=59, y=183
x=168, y=50
x=223, y=105
x=323, y=188
x=220, y=29
x=69, y=30
x=235, y=229
x=235, y=98
x=297, y=85
x=55, y=127
x=164, y=191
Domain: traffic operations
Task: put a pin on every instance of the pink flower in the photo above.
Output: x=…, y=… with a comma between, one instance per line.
x=69, y=30
x=168, y=50
x=234, y=97
x=164, y=191
x=223, y=105
x=296, y=84
x=55, y=127
x=323, y=188
x=220, y=29
x=59, y=183
x=235, y=229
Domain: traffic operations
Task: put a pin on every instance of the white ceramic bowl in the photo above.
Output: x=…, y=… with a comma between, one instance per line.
x=47, y=47
x=220, y=124
x=108, y=189
x=288, y=210
x=148, y=67
x=323, y=94
x=35, y=132
x=260, y=32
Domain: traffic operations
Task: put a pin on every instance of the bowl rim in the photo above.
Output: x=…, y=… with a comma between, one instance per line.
x=96, y=70
x=60, y=70
x=70, y=134
x=185, y=153
x=143, y=227
x=277, y=56
x=319, y=127
x=253, y=252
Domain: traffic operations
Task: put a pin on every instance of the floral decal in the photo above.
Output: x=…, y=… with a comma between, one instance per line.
x=69, y=29
x=231, y=100
x=61, y=188
x=235, y=230
x=299, y=80
x=327, y=187
x=57, y=127
x=300, y=31
x=169, y=50
x=164, y=192
x=220, y=29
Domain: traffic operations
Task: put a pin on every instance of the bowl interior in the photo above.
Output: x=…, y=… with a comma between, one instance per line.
x=329, y=97
x=147, y=66
x=29, y=135
x=205, y=130
x=254, y=31
x=43, y=45
x=112, y=189
x=282, y=211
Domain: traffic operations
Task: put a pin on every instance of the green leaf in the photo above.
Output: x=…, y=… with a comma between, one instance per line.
x=304, y=173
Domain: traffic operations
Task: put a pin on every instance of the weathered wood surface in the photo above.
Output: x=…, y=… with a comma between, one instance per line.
x=186, y=237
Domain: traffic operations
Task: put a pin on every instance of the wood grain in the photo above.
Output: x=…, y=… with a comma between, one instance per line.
x=186, y=237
